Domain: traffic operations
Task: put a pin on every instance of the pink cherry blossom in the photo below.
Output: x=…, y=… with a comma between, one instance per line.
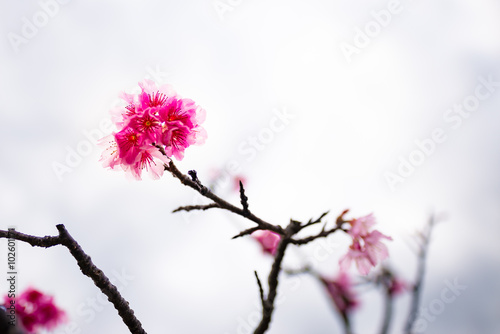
x=129, y=142
x=177, y=138
x=341, y=292
x=367, y=249
x=110, y=156
x=152, y=161
x=148, y=124
x=374, y=247
x=360, y=258
x=155, y=121
x=181, y=110
x=361, y=226
x=268, y=240
x=37, y=311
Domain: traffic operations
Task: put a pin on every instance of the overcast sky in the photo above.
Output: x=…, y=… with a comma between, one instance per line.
x=388, y=107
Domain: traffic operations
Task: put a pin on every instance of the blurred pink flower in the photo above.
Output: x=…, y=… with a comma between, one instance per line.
x=268, y=240
x=397, y=286
x=360, y=258
x=155, y=117
x=341, y=292
x=361, y=226
x=367, y=249
x=374, y=247
x=36, y=311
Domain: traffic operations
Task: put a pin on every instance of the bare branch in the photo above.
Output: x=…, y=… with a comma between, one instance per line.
x=45, y=242
x=244, y=199
x=268, y=309
x=261, y=290
x=322, y=234
x=196, y=207
x=88, y=269
x=417, y=287
x=246, y=232
x=311, y=222
x=187, y=181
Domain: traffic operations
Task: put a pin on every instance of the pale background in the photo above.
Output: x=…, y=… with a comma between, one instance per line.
x=352, y=121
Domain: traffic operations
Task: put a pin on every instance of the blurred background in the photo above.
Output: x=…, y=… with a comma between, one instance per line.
x=388, y=107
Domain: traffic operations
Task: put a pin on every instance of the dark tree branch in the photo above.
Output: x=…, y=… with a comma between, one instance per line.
x=322, y=234
x=416, y=291
x=196, y=207
x=194, y=177
x=246, y=232
x=44, y=242
x=261, y=290
x=88, y=269
x=268, y=305
x=244, y=199
x=286, y=236
x=196, y=185
x=311, y=222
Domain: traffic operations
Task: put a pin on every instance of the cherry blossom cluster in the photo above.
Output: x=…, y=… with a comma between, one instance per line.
x=367, y=248
x=156, y=118
x=36, y=311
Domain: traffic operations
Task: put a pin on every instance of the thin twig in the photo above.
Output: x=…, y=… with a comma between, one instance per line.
x=246, y=232
x=261, y=290
x=187, y=181
x=322, y=234
x=286, y=236
x=87, y=267
x=196, y=207
x=243, y=199
x=416, y=291
x=316, y=221
x=268, y=305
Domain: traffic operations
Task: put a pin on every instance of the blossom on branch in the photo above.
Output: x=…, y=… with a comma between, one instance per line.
x=268, y=240
x=397, y=286
x=367, y=248
x=154, y=126
x=36, y=311
x=341, y=292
